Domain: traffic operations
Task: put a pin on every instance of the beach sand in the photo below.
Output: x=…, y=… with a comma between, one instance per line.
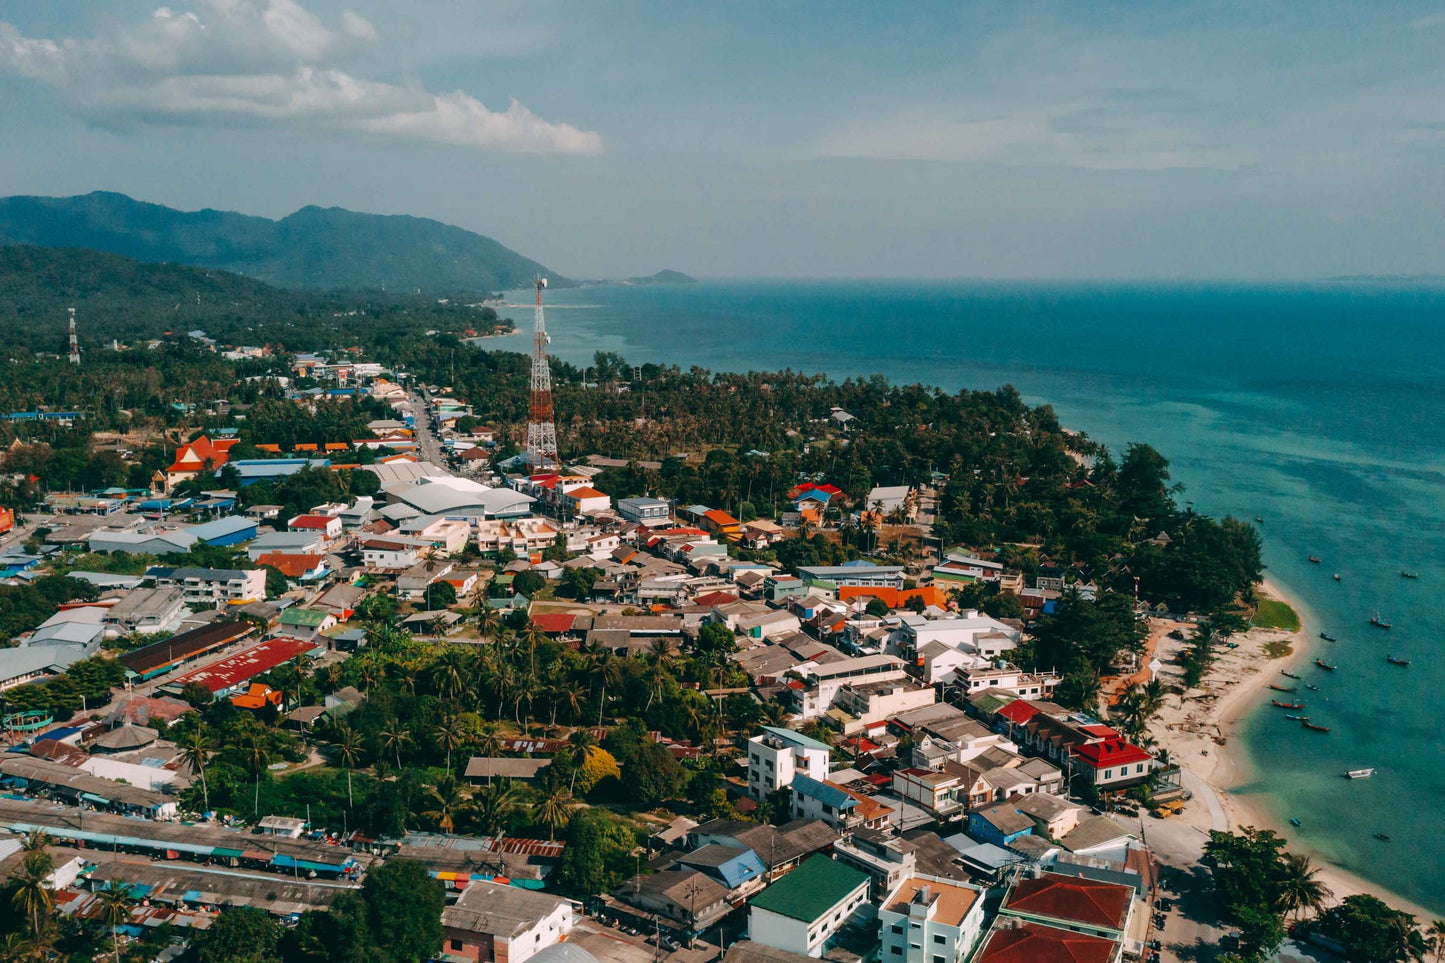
x=1192, y=728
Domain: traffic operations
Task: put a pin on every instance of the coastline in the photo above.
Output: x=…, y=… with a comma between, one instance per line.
x=1191, y=729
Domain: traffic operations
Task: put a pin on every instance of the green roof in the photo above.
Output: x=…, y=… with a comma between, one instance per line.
x=309, y=618
x=811, y=890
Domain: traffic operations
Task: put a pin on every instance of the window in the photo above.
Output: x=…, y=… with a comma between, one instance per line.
x=1108, y=774
x=897, y=929
x=456, y=944
x=896, y=950
x=938, y=938
x=937, y=958
x=1139, y=768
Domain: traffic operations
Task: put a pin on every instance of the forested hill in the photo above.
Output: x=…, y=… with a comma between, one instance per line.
x=119, y=298
x=324, y=248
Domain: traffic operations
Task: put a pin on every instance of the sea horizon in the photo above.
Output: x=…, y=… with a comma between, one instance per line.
x=1308, y=405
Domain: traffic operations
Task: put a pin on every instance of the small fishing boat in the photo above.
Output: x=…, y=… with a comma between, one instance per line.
x=1286, y=705
x=1259, y=519
x=1281, y=688
x=1315, y=559
x=1287, y=673
x=1383, y=837
x=1337, y=576
x=1361, y=773
x=1396, y=660
x=1379, y=622
x=1327, y=638
x=1294, y=821
x=1312, y=687
x=1311, y=726
x=1405, y=574
x=1327, y=666
x=1298, y=718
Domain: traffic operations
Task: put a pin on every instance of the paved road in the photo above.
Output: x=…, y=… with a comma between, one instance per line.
x=427, y=442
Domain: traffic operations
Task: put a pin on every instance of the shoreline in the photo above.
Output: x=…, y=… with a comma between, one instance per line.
x=1229, y=693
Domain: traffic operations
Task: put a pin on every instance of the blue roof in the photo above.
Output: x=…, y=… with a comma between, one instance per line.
x=734, y=866
x=221, y=527
x=797, y=738
x=59, y=732
x=821, y=791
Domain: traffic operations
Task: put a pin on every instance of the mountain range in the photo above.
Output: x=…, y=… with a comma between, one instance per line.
x=330, y=248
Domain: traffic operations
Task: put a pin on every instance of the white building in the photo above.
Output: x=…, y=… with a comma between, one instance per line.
x=218, y=584
x=776, y=755
x=806, y=908
x=821, y=683
x=492, y=923
x=930, y=920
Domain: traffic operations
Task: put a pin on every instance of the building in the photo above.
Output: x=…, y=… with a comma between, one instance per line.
x=777, y=754
x=1012, y=940
x=231, y=530
x=930, y=920
x=140, y=543
x=1089, y=906
x=887, y=859
x=233, y=673
x=586, y=501
x=296, y=566
x=644, y=511
x=196, y=457
x=155, y=659
x=815, y=693
x=493, y=923
x=288, y=827
x=147, y=610
x=805, y=909
x=306, y=623
x=327, y=526
x=1112, y=763
x=839, y=807
x=853, y=574
x=217, y=585
x=390, y=554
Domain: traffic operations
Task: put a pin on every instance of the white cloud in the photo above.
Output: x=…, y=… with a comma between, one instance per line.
x=264, y=62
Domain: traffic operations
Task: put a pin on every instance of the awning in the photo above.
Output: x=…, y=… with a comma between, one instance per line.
x=256, y=854
x=223, y=853
x=93, y=798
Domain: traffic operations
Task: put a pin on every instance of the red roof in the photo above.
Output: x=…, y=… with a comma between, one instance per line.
x=1101, y=731
x=193, y=456
x=1019, y=711
x=829, y=490
x=247, y=664
x=1111, y=752
x=291, y=565
x=1088, y=901
x=715, y=598
x=585, y=492
x=1036, y=943
x=719, y=517
x=317, y=522
x=550, y=622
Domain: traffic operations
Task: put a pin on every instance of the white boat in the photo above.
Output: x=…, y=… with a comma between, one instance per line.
x=1361, y=773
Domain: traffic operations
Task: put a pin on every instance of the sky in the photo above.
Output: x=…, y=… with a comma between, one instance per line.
x=1011, y=140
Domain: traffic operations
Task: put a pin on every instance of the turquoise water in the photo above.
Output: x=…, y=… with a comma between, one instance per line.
x=1317, y=407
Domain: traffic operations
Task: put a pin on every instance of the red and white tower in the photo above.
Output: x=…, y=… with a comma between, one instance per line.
x=74, y=343
x=541, y=431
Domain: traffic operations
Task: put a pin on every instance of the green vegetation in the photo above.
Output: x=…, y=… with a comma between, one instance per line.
x=1257, y=885
x=315, y=247
x=1274, y=614
x=1372, y=932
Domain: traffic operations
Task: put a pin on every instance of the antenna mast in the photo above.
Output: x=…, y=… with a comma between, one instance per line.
x=541, y=430
x=74, y=344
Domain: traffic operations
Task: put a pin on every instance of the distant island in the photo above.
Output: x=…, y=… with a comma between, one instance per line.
x=665, y=276
x=322, y=248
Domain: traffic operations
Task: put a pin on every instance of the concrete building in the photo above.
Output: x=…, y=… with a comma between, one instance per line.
x=492, y=923
x=1088, y=906
x=217, y=585
x=777, y=754
x=839, y=807
x=644, y=511
x=804, y=910
x=821, y=683
x=853, y=573
x=930, y=920
x=147, y=610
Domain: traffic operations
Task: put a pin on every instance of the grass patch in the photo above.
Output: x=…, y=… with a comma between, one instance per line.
x=1277, y=649
x=1274, y=614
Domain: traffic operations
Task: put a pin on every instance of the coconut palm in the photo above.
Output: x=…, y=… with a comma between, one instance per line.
x=493, y=806
x=553, y=813
x=258, y=754
x=195, y=751
x=449, y=801
x=609, y=671
x=573, y=697
x=115, y=904
x=348, y=750
x=395, y=737
x=32, y=889
x=489, y=739
x=1435, y=937
x=579, y=746
x=1299, y=887
x=449, y=734
x=447, y=674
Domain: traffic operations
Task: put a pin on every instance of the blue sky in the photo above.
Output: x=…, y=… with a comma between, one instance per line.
x=768, y=139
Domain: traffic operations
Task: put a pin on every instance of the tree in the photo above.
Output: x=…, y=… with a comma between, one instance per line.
x=494, y=806
x=395, y=737
x=348, y=750
x=448, y=799
x=1370, y=930
x=714, y=638
x=197, y=695
x=528, y=584
x=1435, y=937
x=32, y=897
x=115, y=906
x=1299, y=886
x=258, y=755
x=877, y=608
x=195, y=751
x=597, y=765
x=553, y=811
x=1248, y=867
x=404, y=906
x=276, y=584
x=598, y=853
x=654, y=775
x=239, y=935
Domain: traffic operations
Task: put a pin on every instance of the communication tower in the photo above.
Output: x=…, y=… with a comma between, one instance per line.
x=74, y=344
x=541, y=430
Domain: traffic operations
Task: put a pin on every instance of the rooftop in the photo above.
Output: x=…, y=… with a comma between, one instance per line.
x=951, y=901
x=811, y=890
x=1036, y=943
x=497, y=910
x=1086, y=901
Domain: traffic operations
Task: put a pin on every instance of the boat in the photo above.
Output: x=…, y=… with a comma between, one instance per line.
x=1396, y=660
x=1281, y=688
x=1286, y=705
x=1315, y=559
x=1312, y=687
x=1315, y=728
x=1328, y=667
x=1298, y=718
x=1288, y=674
x=1327, y=638
x=1361, y=773
x=1259, y=519
x=1378, y=622
x=1337, y=576
x=1383, y=837
x=1405, y=574
x=1294, y=821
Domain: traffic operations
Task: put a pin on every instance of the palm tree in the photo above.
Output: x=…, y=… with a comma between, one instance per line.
x=553, y=813
x=449, y=735
x=348, y=749
x=572, y=698
x=395, y=737
x=32, y=891
x=609, y=671
x=580, y=745
x=195, y=750
x=494, y=806
x=447, y=674
x=258, y=753
x=1435, y=937
x=1299, y=887
x=488, y=621
x=449, y=800
x=115, y=906
x=489, y=740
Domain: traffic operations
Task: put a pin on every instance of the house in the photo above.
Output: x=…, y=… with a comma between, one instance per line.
x=413, y=583
x=805, y=909
x=494, y=923
x=297, y=567
x=287, y=827
x=719, y=522
x=886, y=500
x=930, y=920
x=938, y=791
x=152, y=542
x=815, y=693
x=305, y=623
x=487, y=768
x=445, y=535
x=1000, y=824
x=231, y=530
x=775, y=755
x=1112, y=763
x=1013, y=940
x=200, y=455
x=388, y=554
x=739, y=871
x=328, y=526
x=686, y=899
x=644, y=511
x=216, y=584
x=147, y=610
x=839, y=807
x=302, y=543
x=1089, y=906
x=586, y=501
x=853, y=573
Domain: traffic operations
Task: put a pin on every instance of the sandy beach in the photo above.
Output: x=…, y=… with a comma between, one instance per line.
x=1201, y=731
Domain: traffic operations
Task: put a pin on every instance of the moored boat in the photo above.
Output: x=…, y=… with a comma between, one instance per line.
x=1361, y=773
x=1294, y=821
x=1383, y=837
x=1315, y=728
x=1281, y=688
x=1286, y=672
x=1337, y=576
x=1327, y=638
x=1405, y=574
x=1312, y=687
x=1286, y=705
x=1396, y=660
x=1298, y=718
x=1327, y=666
x=1314, y=559
x=1379, y=621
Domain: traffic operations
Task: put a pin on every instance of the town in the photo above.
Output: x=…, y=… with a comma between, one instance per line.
x=410, y=690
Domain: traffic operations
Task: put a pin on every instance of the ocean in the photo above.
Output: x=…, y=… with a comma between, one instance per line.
x=1317, y=407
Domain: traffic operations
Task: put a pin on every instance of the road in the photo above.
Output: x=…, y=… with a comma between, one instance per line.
x=429, y=446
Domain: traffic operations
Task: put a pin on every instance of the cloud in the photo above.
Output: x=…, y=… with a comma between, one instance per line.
x=1428, y=21
x=265, y=62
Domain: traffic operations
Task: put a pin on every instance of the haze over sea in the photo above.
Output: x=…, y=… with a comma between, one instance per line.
x=1319, y=407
